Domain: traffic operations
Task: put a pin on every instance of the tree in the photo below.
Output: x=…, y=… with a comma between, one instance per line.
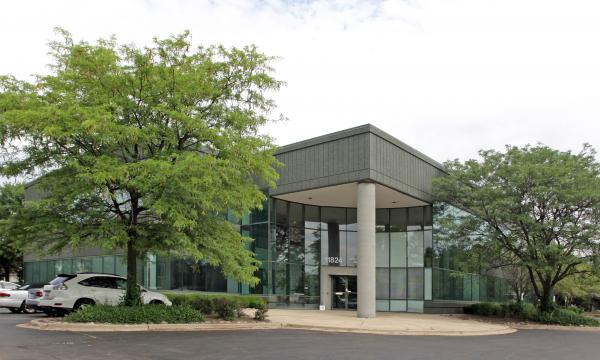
x=145, y=149
x=582, y=288
x=540, y=205
x=11, y=257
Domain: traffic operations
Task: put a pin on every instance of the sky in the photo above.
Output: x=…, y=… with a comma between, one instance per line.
x=448, y=77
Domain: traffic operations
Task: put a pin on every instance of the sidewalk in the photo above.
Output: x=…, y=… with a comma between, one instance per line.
x=385, y=323
x=331, y=321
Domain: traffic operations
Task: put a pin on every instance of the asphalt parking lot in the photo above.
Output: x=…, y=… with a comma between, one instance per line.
x=18, y=343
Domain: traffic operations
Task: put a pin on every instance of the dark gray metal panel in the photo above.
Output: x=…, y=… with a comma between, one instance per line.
x=357, y=154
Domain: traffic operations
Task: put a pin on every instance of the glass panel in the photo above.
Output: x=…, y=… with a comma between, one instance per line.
x=414, y=306
x=351, y=220
x=28, y=272
x=397, y=283
x=281, y=244
x=383, y=249
x=415, y=283
x=312, y=219
x=415, y=249
x=97, y=264
x=43, y=272
x=428, y=243
x=108, y=264
x=121, y=266
x=427, y=217
x=382, y=220
x=333, y=218
x=281, y=215
x=259, y=215
x=335, y=241
x=415, y=218
x=296, y=216
x=351, y=249
x=397, y=249
x=382, y=305
x=397, y=305
x=296, y=284
x=382, y=283
x=398, y=220
x=296, y=253
x=312, y=247
x=428, y=284
x=311, y=281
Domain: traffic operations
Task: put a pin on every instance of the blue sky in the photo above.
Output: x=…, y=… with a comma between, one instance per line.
x=448, y=77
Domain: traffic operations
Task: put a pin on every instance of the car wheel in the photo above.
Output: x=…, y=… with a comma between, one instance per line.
x=83, y=303
x=14, y=310
x=25, y=310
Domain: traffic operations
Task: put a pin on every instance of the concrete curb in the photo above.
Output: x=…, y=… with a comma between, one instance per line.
x=43, y=324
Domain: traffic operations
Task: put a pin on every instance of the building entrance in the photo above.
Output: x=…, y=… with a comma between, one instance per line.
x=344, y=292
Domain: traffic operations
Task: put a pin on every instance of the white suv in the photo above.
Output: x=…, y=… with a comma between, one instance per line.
x=67, y=293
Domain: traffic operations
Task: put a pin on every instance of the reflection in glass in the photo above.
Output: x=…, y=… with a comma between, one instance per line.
x=382, y=283
x=382, y=251
x=351, y=249
x=312, y=219
x=398, y=249
x=415, y=249
x=415, y=283
x=397, y=283
x=312, y=247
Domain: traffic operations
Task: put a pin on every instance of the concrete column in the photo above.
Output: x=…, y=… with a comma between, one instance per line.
x=365, y=205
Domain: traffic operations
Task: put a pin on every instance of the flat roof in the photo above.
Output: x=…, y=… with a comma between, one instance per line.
x=367, y=128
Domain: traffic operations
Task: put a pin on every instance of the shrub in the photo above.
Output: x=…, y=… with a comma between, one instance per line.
x=142, y=314
x=226, y=309
x=206, y=303
x=565, y=317
x=529, y=312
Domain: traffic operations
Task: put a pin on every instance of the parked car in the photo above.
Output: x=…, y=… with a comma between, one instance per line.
x=34, y=293
x=5, y=285
x=15, y=299
x=70, y=292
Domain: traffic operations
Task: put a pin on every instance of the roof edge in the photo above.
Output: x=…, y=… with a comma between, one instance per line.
x=362, y=129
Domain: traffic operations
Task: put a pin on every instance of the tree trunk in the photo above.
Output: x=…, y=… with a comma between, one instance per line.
x=6, y=273
x=546, y=301
x=132, y=295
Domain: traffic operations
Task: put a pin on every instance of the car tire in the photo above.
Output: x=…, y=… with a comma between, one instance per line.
x=25, y=310
x=156, y=302
x=14, y=310
x=83, y=303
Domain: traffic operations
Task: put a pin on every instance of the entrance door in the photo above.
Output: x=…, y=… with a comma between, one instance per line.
x=344, y=292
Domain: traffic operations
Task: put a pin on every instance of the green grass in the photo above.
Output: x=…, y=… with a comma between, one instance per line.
x=144, y=314
x=524, y=311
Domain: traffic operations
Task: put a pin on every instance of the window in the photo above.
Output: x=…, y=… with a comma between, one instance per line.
x=415, y=249
x=99, y=282
x=120, y=284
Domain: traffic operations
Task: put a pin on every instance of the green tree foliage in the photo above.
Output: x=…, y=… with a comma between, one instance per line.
x=540, y=205
x=11, y=257
x=582, y=288
x=145, y=149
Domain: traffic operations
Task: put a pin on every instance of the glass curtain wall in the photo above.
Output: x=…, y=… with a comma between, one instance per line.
x=449, y=281
x=403, y=258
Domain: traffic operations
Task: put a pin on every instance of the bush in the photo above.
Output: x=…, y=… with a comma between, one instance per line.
x=524, y=311
x=226, y=309
x=565, y=317
x=207, y=304
x=142, y=314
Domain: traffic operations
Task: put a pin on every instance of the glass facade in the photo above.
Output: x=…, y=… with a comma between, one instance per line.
x=401, y=252
x=416, y=260
x=449, y=281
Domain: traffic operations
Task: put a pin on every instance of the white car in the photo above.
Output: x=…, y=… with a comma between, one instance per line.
x=5, y=285
x=68, y=293
x=15, y=300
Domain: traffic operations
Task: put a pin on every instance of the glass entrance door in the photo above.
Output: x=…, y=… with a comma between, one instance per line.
x=344, y=292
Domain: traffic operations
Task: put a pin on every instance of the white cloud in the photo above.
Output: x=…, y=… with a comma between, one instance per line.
x=446, y=76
